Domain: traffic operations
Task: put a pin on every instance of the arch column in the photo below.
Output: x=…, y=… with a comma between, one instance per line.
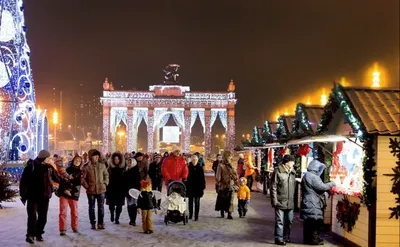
x=150, y=130
x=231, y=132
x=106, y=129
x=207, y=134
x=186, y=131
x=130, y=131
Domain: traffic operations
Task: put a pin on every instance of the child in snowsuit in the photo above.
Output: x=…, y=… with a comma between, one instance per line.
x=62, y=172
x=146, y=203
x=243, y=195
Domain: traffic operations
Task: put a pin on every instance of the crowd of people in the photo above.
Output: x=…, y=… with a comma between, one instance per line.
x=107, y=180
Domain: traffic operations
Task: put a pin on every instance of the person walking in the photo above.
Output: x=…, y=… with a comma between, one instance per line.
x=313, y=202
x=115, y=194
x=174, y=168
x=36, y=189
x=146, y=204
x=243, y=196
x=283, y=186
x=249, y=172
x=240, y=168
x=226, y=184
x=142, y=164
x=196, y=184
x=156, y=176
x=95, y=181
x=131, y=180
x=69, y=192
x=216, y=163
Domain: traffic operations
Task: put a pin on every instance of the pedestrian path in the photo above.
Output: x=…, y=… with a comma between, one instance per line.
x=254, y=230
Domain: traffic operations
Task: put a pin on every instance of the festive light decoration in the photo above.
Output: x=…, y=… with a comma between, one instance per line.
x=324, y=98
x=395, y=150
x=16, y=83
x=344, y=82
x=308, y=101
x=376, y=77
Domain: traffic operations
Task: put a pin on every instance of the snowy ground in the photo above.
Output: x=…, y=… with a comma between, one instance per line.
x=254, y=230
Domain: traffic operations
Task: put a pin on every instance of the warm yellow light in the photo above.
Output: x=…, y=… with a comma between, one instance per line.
x=223, y=136
x=217, y=136
x=277, y=116
x=286, y=112
x=344, y=82
x=120, y=133
x=376, y=77
x=55, y=117
x=308, y=100
x=243, y=136
x=324, y=98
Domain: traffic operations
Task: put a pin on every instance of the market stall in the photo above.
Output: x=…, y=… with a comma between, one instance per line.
x=359, y=127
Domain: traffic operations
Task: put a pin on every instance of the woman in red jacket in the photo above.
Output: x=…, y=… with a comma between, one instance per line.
x=174, y=168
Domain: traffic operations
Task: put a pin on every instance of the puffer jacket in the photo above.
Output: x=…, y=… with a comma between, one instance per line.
x=95, y=178
x=74, y=184
x=313, y=189
x=174, y=169
x=283, y=187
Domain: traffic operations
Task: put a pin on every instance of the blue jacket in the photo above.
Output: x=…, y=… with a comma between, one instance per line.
x=313, y=189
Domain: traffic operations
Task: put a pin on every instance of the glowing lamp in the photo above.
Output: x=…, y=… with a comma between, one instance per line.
x=376, y=78
x=55, y=117
x=286, y=112
x=308, y=101
x=324, y=98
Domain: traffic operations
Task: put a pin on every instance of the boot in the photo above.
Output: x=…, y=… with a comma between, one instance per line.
x=229, y=216
x=190, y=207
x=222, y=214
x=196, y=208
x=117, y=214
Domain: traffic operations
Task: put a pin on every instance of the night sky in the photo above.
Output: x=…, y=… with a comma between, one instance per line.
x=277, y=52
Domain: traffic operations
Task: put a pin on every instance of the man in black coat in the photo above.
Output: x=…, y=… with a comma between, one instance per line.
x=283, y=186
x=132, y=179
x=36, y=189
x=156, y=176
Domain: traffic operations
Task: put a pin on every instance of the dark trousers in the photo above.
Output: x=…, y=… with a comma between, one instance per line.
x=311, y=231
x=242, y=207
x=100, y=208
x=250, y=182
x=132, y=212
x=196, y=201
x=283, y=223
x=37, y=216
x=157, y=185
x=115, y=208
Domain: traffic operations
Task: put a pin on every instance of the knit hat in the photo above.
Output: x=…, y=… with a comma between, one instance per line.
x=287, y=158
x=44, y=154
x=138, y=154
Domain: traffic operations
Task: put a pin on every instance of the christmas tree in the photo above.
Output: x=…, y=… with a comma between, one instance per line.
x=6, y=193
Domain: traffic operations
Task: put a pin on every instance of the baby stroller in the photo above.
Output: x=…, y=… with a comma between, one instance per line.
x=177, y=209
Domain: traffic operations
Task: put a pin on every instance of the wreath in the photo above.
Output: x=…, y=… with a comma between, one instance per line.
x=347, y=213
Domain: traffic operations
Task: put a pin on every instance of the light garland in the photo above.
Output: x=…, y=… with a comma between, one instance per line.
x=16, y=77
x=150, y=132
x=207, y=135
x=186, y=132
x=231, y=133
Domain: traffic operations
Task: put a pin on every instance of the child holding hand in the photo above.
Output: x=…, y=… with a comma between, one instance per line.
x=243, y=195
x=146, y=203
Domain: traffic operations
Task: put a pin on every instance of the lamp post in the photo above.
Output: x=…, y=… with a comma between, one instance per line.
x=55, y=122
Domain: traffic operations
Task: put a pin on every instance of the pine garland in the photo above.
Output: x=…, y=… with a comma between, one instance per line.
x=395, y=150
x=347, y=213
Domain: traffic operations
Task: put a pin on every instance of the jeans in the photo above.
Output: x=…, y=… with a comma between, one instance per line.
x=196, y=201
x=37, y=216
x=157, y=185
x=242, y=207
x=283, y=223
x=100, y=208
x=62, y=218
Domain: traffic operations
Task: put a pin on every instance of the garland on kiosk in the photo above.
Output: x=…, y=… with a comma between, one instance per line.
x=347, y=213
x=338, y=99
x=395, y=150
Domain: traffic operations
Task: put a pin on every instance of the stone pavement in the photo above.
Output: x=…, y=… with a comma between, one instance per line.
x=254, y=230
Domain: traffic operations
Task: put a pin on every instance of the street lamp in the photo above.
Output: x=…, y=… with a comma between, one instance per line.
x=324, y=98
x=376, y=77
x=55, y=122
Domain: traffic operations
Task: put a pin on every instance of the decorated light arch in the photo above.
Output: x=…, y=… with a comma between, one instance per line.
x=19, y=121
x=156, y=105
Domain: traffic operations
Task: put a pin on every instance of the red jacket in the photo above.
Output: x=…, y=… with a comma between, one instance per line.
x=174, y=169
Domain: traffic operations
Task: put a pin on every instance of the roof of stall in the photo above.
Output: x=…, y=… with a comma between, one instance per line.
x=285, y=125
x=307, y=118
x=374, y=111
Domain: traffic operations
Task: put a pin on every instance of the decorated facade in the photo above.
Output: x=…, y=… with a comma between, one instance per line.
x=155, y=106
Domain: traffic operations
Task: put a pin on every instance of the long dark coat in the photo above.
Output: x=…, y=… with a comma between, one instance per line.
x=116, y=190
x=313, y=189
x=131, y=180
x=196, y=182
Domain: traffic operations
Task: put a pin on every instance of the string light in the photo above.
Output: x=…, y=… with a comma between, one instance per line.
x=376, y=77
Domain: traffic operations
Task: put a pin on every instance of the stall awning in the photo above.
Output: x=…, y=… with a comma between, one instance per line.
x=322, y=138
x=269, y=145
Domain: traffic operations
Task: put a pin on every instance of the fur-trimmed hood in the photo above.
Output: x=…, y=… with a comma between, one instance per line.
x=121, y=158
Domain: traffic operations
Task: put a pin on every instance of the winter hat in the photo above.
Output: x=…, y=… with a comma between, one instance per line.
x=156, y=156
x=44, y=154
x=138, y=154
x=287, y=158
